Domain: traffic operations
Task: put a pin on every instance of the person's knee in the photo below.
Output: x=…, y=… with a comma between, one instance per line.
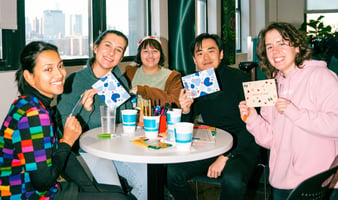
x=233, y=182
x=175, y=177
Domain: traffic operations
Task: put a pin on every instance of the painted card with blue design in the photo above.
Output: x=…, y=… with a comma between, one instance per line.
x=201, y=83
x=111, y=91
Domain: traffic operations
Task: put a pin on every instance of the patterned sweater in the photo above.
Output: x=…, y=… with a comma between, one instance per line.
x=30, y=157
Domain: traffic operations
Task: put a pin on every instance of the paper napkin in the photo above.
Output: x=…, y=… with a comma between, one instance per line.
x=201, y=83
x=260, y=93
x=111, y=91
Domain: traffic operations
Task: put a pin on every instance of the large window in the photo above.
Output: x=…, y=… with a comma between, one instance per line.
x=73, y=25
x=63, y=23
x=129, y=17
x=326, y=8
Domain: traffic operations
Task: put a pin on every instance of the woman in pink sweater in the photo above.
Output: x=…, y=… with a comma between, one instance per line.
x=301, y=130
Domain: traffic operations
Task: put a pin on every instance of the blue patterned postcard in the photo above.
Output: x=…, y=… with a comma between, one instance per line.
x=111, y=91
x=201, y=83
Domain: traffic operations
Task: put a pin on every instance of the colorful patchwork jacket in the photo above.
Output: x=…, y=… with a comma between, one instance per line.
x=31, y=158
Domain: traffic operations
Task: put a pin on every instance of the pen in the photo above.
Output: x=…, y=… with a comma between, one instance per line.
x=78, y=103
x=202, y=127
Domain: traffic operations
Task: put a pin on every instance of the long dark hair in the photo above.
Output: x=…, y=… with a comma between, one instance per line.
x=152, y=43
x=290, y=34
x=28, y=60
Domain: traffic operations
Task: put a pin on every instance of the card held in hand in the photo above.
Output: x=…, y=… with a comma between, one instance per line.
x=111, y=91
x=201, y=83
x=260, y=93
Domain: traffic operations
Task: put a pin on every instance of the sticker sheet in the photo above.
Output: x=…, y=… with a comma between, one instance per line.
x=260, y=93
x=201, y=83
x=111, y=91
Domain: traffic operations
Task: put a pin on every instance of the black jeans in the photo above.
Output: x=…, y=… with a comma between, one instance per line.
x=235, y=176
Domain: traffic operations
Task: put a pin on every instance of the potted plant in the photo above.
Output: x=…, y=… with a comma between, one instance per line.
x=323, y=42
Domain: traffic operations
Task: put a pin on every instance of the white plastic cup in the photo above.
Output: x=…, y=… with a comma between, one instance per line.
x=151, y=125
x=183, y=135
x=173, y=116
x=129, y=118
x=108, y=119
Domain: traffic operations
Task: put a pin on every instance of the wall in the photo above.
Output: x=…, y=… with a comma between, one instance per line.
x=286, y=10
x=8, y=17
x=9, y=92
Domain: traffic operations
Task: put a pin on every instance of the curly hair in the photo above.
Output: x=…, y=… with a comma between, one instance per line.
x=289, y=33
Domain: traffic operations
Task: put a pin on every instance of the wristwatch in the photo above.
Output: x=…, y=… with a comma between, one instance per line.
x=229, y=155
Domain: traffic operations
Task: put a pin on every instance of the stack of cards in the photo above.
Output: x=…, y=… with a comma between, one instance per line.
x=111, y=91
x=201, y=83
x=260, y=93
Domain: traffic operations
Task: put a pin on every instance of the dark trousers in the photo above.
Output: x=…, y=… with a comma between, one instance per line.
x=69, y=190
x=235, y=176
x=280, y=194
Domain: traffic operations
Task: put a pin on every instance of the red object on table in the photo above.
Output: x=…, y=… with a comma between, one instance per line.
x=163, y=124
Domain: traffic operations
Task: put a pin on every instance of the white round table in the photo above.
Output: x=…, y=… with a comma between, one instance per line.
x=121, y=148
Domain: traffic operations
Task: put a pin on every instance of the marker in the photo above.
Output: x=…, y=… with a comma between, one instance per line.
x=244, y=117
x=202, y=127
x=104, y=135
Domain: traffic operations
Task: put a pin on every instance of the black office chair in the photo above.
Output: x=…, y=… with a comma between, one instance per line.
x=318, y=187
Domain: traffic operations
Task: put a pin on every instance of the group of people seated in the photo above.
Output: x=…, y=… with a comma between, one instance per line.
x=39, y=143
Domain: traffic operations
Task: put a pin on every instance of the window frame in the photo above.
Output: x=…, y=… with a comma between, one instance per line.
x=97, y=24
x=239, y=25
x=308, y=11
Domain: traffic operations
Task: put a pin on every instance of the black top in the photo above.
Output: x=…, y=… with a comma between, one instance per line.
x=220, y=109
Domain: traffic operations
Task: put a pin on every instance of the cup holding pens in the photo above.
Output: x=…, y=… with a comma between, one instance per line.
x=151, y=125
x=108, y=119
x=183, y=135
x=129, y=118
x=173, y=117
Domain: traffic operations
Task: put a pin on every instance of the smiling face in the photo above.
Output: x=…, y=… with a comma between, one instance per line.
x=208, y=55
x=279, y=52
x=48, y=74
x=108, y=53
x=150, y=57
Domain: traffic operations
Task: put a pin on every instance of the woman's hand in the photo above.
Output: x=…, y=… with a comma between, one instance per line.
x=133, y=90
x=245, y=110
x=186, y=98
x=216, y=168
x=282, y=104
x=72, y=130
x=88, y=99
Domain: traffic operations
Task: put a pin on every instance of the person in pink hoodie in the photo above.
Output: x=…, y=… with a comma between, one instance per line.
x=301, y=129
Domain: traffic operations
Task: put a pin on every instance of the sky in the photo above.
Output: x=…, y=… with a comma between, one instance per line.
x=118, y=15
